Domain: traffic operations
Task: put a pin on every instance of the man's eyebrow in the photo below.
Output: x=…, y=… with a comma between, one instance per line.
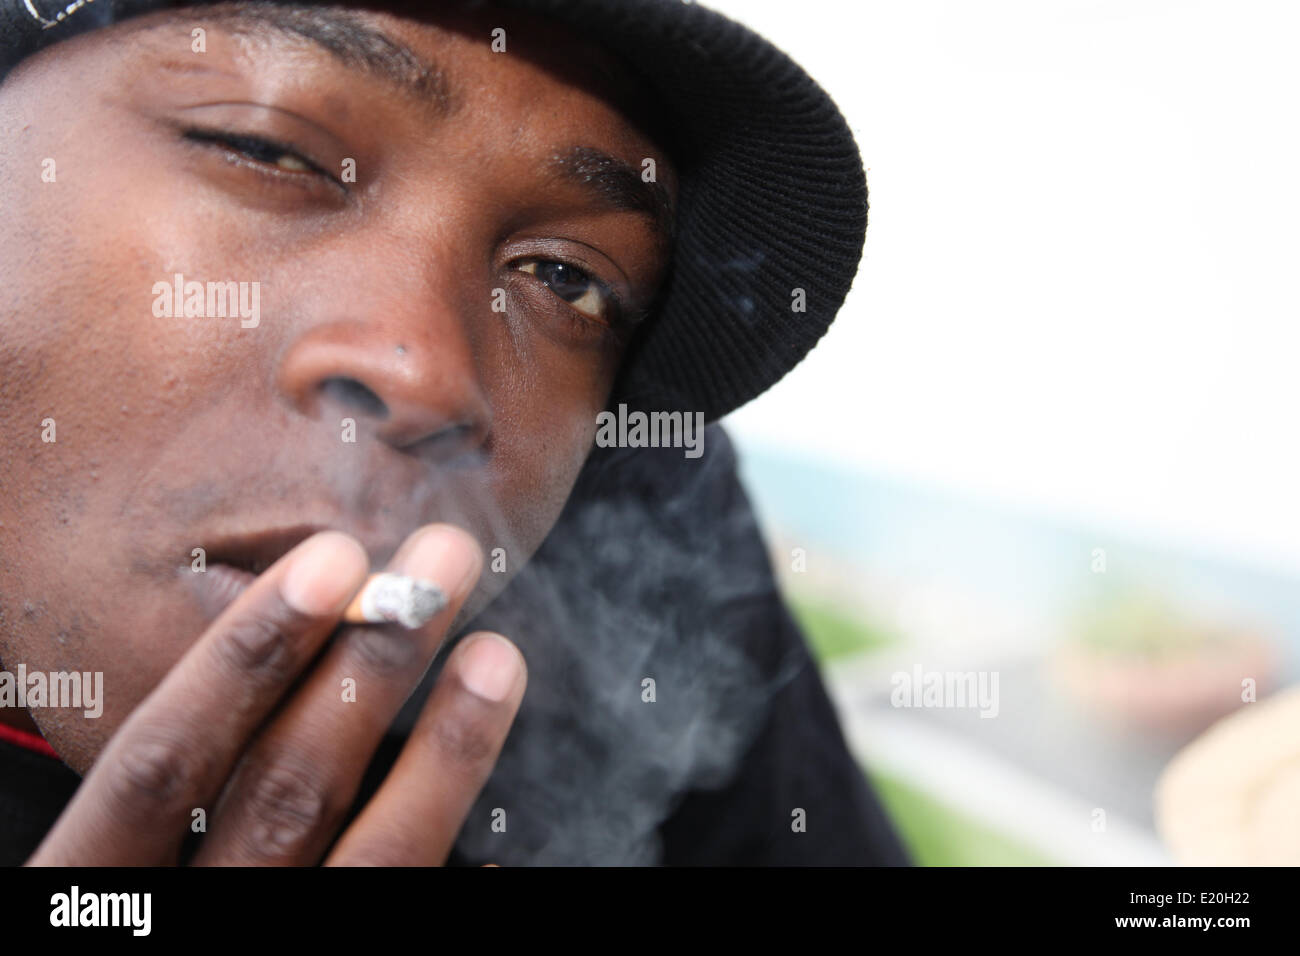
x=344, y=35
x=616, y=184
x=358, y=45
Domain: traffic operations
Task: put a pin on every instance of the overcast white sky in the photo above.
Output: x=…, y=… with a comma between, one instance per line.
x=1080, y=284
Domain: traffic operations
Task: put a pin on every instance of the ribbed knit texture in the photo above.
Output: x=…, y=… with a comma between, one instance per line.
x=773, y=194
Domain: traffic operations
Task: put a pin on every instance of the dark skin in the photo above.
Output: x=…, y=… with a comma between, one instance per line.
x=222, y=688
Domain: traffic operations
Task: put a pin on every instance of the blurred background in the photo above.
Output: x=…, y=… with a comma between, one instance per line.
x=1051, y=436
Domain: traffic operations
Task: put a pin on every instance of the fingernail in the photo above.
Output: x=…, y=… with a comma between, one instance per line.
x=324, y=572
x=442, y=554
x=489, y=667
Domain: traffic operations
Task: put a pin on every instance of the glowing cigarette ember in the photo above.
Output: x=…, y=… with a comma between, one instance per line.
x=395, y=599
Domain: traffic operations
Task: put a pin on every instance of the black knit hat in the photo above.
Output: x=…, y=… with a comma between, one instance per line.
x=773, y=198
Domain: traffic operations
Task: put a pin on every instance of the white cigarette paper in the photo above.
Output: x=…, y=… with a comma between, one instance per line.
x=396, y=599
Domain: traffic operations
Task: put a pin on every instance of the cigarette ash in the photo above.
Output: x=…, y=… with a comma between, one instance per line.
x=410, y=602
x=660, y=576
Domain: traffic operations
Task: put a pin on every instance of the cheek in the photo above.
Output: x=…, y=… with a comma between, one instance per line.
x=542, y=437
x=79, y=257
x=91, y=379
x=82, y=348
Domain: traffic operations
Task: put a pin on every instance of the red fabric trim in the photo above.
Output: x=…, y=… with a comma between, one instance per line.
x=27, y=741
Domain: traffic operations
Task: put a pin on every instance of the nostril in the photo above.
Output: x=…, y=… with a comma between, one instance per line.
x=353, y=394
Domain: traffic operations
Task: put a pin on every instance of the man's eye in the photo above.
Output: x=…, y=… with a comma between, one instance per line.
x=257, y=149
x=589, y=296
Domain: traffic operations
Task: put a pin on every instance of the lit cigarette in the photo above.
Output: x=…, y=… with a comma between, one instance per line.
x=395, y=599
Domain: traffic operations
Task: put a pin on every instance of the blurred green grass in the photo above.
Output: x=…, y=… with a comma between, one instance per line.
x=937, y=835
x=832, y=633
x=934, y=833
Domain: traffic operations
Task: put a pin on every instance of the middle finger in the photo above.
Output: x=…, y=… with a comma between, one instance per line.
x=287, y=798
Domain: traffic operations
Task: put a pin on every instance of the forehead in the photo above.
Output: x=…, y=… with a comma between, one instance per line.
x=405, y=45
x=508, y=66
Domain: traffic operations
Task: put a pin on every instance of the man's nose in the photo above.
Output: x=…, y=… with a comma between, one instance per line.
x=394, y=354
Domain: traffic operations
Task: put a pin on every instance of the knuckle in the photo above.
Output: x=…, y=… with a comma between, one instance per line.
x=462, y=741
x=262, y=645
x=287, y=806
x=156, y=775
x=386, y=847
x=381, y=652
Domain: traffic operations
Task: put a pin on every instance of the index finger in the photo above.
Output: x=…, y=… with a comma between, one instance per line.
x=176, y=750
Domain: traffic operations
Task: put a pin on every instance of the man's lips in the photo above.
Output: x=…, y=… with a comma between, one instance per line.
x=218, y=586
x=256, y=552
x=233, y=563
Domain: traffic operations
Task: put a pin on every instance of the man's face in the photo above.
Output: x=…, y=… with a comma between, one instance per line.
x=462, y=304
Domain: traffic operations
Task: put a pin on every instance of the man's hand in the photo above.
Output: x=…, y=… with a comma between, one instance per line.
x=275, y=755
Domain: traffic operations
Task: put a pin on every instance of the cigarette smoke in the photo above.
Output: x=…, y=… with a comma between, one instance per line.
x=655, y=570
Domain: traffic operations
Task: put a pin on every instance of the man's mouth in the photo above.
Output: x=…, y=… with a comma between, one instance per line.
x=254, y=553
x=229, y=565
